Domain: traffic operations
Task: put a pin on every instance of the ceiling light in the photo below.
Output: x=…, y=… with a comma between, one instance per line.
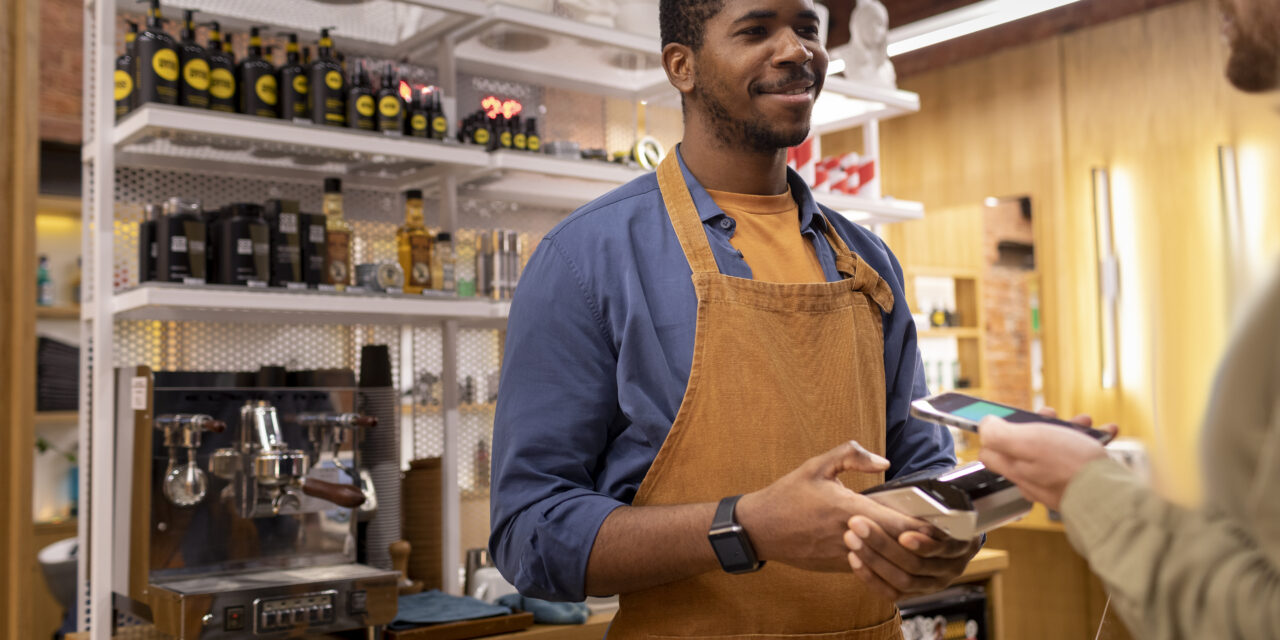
x=964, y=21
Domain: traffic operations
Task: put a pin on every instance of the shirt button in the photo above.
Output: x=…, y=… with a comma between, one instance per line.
x=726, y=224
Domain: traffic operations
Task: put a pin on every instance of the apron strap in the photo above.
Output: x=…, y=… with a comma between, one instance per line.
x=865, y=279
x=684, y=216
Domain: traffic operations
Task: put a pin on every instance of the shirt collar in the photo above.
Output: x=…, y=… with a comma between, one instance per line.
x=811, y=216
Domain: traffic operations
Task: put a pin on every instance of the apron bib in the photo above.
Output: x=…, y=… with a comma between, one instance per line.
x=781, y=373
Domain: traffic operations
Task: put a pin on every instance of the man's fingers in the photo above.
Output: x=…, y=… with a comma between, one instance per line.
x=901, y=568
x=849, y=456
x=932, y=547
x=873, y=581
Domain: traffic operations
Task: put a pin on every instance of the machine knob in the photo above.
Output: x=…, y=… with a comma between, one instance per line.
x=315, y=614
x=207, y=619
x=326, y=612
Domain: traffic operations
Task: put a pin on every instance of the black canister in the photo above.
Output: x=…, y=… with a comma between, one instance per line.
x=315, y=248
x=288, y=233
x=243, y=243
x=181, y=243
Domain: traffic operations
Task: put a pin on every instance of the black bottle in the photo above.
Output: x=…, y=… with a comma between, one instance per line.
x=147, y=243
x=124, y=90
x=288, y=229
x=193, y=90
x=505, y=133
x=243, y=244
x=439, y=121
x=417, y=121
x=291, y=78
x=532, y=139
x=257, y=80
x=520, y=139
x=156, y=68
x=180, y=243
x=328, y=85
x=390, y=104
x=315, y=248
x=361, y=108
x=222, y=72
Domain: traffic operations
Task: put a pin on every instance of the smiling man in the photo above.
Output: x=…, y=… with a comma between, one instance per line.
x=704, y=366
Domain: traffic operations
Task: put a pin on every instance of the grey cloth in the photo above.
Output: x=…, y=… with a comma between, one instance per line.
x=548, y=612
x=437, y=607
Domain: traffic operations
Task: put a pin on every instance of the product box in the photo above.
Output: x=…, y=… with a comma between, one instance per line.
x=288, y=228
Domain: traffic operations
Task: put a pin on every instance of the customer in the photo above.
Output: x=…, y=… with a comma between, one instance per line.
x=1174, y=573
x=705, y=333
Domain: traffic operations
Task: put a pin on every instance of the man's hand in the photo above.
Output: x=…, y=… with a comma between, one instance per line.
x=906, y=564
x=801, y=518
x=1040, y=458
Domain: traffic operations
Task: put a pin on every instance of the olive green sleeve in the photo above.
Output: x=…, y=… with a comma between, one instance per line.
x=1172, y=573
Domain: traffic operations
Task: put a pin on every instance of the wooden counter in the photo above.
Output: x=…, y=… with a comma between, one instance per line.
x=984, y=568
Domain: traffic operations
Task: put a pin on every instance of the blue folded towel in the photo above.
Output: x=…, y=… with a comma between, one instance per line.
x=548, y=612
x=437, y=607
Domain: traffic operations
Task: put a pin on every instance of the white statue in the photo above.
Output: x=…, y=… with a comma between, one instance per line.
x=866, y=57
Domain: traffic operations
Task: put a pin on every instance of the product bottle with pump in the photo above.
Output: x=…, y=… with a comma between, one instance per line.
x=180, y=243
x=291, y=78
x=222, y=72
x=338, y=237
x=193, y=90
x=328, y=85
x=156, y=68
x=123, y=77
x=257, y=80
x=390, y=104
x=413, y=244
x=361, y=107
x=439, y=121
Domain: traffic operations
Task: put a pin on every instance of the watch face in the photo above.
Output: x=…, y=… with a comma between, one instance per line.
x=731, y=548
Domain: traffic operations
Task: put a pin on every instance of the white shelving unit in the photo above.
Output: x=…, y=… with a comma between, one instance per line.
x=481, y=37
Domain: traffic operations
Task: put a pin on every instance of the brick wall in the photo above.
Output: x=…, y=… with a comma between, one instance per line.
x=61, y=68
x=1007, y=308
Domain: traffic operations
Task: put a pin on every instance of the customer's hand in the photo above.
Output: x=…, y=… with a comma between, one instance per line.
x=908, y=563
x=1040, y=458
x=801, y=519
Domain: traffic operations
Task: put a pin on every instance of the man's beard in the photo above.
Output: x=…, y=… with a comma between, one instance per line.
x=1254, y=63
x=754, y=136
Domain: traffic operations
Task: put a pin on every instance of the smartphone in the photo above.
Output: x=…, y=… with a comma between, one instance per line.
x=965, y=412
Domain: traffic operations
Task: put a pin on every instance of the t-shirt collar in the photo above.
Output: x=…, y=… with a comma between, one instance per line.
x=810, y=215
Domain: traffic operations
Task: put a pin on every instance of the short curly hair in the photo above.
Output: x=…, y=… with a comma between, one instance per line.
x=684, y=21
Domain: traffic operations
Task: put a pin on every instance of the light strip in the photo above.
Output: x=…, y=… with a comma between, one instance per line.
x=1233, y=222
x=964, y=21
x=1108, y=275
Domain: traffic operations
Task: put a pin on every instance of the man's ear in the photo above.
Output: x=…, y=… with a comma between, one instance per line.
x=677, y=61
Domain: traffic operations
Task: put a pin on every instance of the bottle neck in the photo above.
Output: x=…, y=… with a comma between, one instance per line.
x=325, y=49
x=215, y=41
x=255, y=46
x=153, y=18
x=291, y=52
x=413, y=213
x=189, y=32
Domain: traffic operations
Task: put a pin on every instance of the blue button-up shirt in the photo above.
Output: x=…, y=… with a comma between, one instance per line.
x=599, y=348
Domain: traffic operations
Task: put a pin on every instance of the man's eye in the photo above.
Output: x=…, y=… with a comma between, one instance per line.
x=752, y=31
x=809, y=32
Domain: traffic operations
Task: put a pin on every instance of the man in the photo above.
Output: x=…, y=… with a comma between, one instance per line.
x=1175, y=573
x=708, y=333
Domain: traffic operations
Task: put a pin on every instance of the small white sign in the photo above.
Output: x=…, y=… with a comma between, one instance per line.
x=256, y=284
x=138, y=393
x=317, y=234
x=244, y=246
x=295, y=285
x=178, y=244
x=288, y=223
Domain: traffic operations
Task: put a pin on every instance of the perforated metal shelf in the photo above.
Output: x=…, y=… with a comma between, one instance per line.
x=215, y=303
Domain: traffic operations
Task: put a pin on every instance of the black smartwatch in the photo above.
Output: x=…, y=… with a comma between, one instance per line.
x=729, y=540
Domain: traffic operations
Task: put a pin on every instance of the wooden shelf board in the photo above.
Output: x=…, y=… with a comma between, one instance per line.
x=67, y=312
x=57, y=417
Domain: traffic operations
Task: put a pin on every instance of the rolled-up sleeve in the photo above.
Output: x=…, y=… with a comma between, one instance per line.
x=911, y=444
x=558, y=398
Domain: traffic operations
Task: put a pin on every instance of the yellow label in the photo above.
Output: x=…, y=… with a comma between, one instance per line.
x=266, y=88
x=300, y=84
x=535, y=143
x=124, y=84
x=418, y=122
x=165, y=63
x=482, y=136
x=222, y=85
x=389, y=106
x=364, y=105
x=292, y=47
x=522, y=141
x=440, y=124
x=196, y=74
x=505, y=139
x=333, y=80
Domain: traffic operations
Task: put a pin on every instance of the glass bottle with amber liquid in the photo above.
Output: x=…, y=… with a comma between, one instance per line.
x=337, y=263
x=414, y=245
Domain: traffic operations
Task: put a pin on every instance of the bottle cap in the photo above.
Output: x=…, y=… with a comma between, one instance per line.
x=333, y=185
x=444, y=236
x=413, y=194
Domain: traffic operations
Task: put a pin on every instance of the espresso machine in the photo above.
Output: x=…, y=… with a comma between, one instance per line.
x=243, y=492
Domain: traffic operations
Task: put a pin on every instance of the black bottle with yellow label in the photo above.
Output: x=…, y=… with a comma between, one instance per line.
x=417, y=114
x=123, y=77
x=222, y=72
x=532, y=140
x=520, y=139
x=256, y=78
x=328, y=85
x=193, y=90
x=291, y=78
x=439, y=121
x=390, y=104
x=156, y=68
x=361, y=107
x=506, y=133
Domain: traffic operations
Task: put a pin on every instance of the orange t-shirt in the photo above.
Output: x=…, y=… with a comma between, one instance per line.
x=768, y=235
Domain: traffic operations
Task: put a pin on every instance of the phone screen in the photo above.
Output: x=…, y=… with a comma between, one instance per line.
x=967, y=411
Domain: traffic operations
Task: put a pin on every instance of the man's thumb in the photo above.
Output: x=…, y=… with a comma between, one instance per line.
x=850, y=456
